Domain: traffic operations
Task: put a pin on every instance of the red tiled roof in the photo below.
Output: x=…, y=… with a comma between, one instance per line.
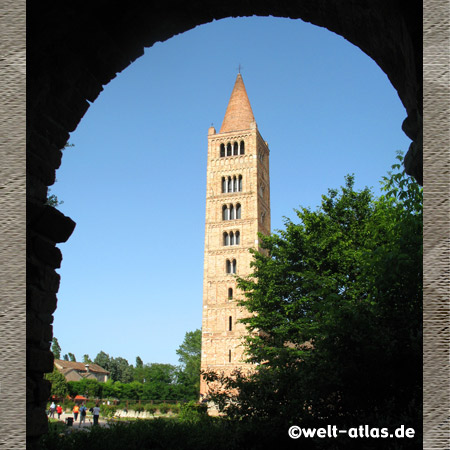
x=79, y=366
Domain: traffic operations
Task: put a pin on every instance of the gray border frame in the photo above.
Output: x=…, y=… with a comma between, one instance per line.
x=436, y=317
x=12, y=224
x=436, y=224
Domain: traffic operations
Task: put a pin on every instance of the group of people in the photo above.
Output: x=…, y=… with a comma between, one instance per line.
x=82, y=410
x=53, y=408
x=77, y=409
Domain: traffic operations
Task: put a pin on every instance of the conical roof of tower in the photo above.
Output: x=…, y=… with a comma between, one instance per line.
x=239, y=114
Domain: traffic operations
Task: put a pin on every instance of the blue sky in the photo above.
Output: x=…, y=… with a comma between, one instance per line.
x=135, y=182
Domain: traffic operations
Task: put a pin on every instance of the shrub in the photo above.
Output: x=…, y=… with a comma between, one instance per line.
x=68, y=405
x=108, y=410
x=164, y=408
x=137, y=407
x=149, y=407
x=175, y=408
x=193, y=412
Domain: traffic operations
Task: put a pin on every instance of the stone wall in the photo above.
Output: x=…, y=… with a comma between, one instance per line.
x=75, y=48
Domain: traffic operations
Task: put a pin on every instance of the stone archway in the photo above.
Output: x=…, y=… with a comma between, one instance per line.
x=74, y=50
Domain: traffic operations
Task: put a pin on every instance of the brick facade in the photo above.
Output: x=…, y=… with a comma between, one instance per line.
x=239, y=180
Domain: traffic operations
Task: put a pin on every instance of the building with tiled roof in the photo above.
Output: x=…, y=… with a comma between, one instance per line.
x=76, y=371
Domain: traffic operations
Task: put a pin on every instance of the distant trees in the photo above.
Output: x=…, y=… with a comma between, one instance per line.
x=86, y=387
x=119, y=369
x=56, y=348
x=152, y=381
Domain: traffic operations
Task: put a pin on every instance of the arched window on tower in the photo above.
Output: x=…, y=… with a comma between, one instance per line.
x=240, y=183
x=229, y=151
x=230, y=185
x=224, y=212
x=228, y=268
x=237, y=238
x=235, y=149
x=230, y=323
x=231, y=238
x=230, y=293
x=242, y=148
x=238, y=211
x=226, y=239
x=235, y=184
x=229, y=355
x=233, y=266
x=231, y=215
x=224, y=185
x=222, y=150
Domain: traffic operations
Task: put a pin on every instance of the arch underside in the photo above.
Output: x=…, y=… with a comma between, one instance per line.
x=75, y=49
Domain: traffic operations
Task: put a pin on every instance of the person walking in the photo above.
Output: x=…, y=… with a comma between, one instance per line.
x=52, y=410
x=76, y=410
x=96, y=413
x=83, y=410
x=59, y=411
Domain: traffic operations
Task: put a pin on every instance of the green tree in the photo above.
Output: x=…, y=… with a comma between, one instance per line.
x=189, y=354
x=72, y=357
x=118, y=368
x=52, y=200
x=86, y=387
x=103, y=360
x=122, y=370
x=160, y=373
x=56, y=349
x=108, y=389
x=335, y=313
x=59, y=384
x=138, y=372
x=87, y=359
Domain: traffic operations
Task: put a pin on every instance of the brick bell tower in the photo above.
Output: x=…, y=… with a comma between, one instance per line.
x=237, y=209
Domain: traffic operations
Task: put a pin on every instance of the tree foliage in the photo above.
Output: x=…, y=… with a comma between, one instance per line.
x=56, y=348
x=153, y=381
x=119, y=369
x=59, y=385
x=335, y=305
x=189, y=354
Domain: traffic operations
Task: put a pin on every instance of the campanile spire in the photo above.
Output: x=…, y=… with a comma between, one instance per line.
x=239, y=114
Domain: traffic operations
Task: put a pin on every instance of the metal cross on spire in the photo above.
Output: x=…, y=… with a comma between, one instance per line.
x=240, y=67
